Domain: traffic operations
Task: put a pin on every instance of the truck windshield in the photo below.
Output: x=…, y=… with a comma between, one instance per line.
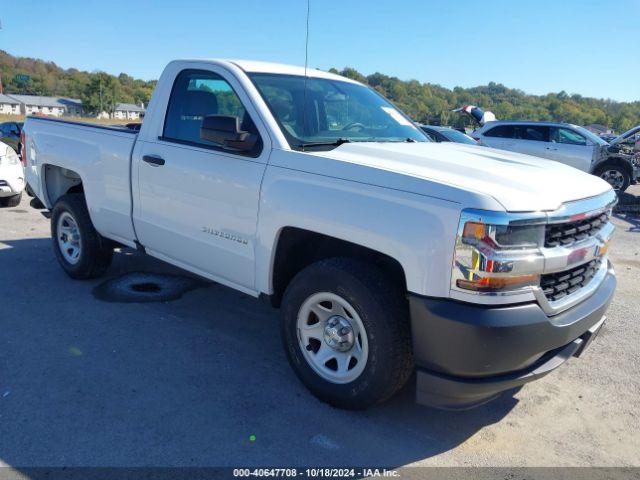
x=336, y=112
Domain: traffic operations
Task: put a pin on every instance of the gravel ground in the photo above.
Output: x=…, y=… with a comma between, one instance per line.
x=85, y=382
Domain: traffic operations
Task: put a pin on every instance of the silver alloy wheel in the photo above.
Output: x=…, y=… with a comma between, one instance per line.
x=332, y=337
x=69, y=240
x=614, y=177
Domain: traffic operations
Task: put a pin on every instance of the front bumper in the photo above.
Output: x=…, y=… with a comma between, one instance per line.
x=467, y=354
x=7, y=191
x=11, y=186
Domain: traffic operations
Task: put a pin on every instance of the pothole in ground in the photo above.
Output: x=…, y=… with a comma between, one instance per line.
x=145, y=287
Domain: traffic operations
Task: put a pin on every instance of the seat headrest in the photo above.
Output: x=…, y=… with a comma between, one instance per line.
x=199, y=103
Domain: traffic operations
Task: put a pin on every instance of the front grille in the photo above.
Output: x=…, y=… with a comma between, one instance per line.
x=563, y=234
x=558, y=285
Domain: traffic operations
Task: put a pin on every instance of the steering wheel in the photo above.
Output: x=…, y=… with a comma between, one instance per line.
x=354, y=125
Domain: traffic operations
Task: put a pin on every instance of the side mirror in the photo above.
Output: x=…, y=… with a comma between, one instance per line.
x=225, y=130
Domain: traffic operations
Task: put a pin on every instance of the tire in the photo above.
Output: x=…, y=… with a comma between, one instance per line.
x=373, y=303
x=616, y=175
x=12, y=201
x=89, y=254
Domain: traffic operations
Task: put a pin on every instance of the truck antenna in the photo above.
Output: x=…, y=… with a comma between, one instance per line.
x=306, y=63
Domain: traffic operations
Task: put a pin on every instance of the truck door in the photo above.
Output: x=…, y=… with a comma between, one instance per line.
x=197, y=201
x=571, y=148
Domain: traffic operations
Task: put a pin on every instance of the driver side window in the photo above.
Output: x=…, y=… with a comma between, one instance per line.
x=196, y=94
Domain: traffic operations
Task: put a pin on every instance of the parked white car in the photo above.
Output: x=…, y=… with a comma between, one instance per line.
x=563, y=142
x=11, y=177
x=480, y=268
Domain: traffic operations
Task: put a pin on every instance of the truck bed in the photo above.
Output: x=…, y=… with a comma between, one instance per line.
x=99, y=154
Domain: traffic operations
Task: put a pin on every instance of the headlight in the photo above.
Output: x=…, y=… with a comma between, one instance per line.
x=497, y=254
x=10, y=159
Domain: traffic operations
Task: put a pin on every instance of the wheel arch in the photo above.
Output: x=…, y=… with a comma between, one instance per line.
x=59, y=181
x=626, y=164
x=296, y=248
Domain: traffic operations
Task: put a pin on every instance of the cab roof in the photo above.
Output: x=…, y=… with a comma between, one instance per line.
x=253, y=66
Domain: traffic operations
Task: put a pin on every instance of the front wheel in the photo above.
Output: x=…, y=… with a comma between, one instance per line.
x=346, y=331
x=79, y=248
x=615, y=175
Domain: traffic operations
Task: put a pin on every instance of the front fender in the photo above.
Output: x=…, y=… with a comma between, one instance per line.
x=415, y=230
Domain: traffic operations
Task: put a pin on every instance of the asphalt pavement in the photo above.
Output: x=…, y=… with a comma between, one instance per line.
x=89, y=379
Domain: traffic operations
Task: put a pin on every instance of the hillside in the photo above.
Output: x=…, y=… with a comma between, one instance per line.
x=46, y=78
x=428, y=102
x=425, y=102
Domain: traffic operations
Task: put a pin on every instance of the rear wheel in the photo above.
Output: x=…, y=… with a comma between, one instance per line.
x=346, y=332
x=80, y=250
x=12, y=201
x=616, y=175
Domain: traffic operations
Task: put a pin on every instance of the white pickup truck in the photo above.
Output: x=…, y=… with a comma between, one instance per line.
x=479, y=268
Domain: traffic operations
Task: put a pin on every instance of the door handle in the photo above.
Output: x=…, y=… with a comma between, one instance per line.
x=554, y=149
x=153, y=160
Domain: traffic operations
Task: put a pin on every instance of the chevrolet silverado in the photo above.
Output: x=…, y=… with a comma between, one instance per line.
x=477, y=268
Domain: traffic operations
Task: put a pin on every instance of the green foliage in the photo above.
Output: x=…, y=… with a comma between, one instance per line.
x=46, y=78
x=429, y=103
x=101, y=94
x=424, y=102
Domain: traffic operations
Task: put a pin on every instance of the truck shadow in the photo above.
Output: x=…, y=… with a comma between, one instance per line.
x=199, y=381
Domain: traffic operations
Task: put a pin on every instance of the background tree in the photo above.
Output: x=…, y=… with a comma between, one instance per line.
x=46, y=78
x=101, y=94
x=424, y=102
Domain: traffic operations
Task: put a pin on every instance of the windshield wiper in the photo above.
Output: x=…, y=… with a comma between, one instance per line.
x=342, y=140
x=335, y=143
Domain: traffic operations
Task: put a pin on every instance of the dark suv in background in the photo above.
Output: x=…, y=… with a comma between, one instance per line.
x=10, y=134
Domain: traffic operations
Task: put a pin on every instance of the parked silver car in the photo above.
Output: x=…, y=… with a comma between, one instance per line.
x=565, y=143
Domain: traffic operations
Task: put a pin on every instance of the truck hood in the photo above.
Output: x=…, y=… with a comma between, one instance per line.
x=520, y=183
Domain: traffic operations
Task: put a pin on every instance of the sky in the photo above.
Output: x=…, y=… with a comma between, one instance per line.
x=588, y=47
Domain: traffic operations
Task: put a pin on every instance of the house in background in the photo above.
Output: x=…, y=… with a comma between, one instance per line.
x=8, y=105
x=599, y=129
x=128, y=111
x=54, y=106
